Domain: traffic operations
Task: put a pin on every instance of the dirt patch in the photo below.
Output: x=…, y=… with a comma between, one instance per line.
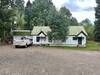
x=47, y=61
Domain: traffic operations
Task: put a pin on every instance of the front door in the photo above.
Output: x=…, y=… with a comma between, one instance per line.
x=80, y=40
x=38, y=39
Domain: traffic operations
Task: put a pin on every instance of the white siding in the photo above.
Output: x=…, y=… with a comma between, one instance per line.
x=42, y=41
x=58, y=42
x=71, y=42
x=34, y=39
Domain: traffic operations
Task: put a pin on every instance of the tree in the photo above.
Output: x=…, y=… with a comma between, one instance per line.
x=86, y=22
x=19, y=17
x=59, y=28
x=97, y=22
x=6, y=18
x=20, y=22
x=19, y=5
x=65, y=12
x=89, y=27
x=74, y=22
x=43, y=12
x=28, y=15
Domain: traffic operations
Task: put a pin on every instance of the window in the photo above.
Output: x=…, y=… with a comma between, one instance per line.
x=38, y=39
x=74, y=38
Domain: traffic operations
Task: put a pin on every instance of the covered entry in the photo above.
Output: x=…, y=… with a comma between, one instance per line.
x=79, y=40
x=40, y=35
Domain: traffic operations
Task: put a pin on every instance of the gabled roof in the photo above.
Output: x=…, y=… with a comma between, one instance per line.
x=75, y=30
x=37, y=29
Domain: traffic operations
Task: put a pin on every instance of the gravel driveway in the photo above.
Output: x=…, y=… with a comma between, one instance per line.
x=47, y=61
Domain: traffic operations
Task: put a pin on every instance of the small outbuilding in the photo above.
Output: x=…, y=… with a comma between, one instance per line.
x=77, y=36
x=40, y=35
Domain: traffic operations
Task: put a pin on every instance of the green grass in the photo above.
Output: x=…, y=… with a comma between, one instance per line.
x=91, y=46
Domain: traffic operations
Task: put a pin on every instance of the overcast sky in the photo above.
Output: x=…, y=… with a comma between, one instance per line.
x=80, y=9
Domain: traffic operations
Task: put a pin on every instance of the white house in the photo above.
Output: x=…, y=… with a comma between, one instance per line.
x=77, y=36
x=39, y=34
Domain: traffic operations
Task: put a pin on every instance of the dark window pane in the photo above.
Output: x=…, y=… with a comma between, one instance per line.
x=74, y=38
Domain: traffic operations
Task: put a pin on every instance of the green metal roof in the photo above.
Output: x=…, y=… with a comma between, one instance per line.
x=37, y=29
x=75, y=30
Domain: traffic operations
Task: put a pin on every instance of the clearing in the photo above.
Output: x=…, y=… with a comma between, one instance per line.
x=48, y=61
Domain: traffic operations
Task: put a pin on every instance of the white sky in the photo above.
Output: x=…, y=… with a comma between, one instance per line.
x=80, y=15
x=86, y=3
x=83, y=15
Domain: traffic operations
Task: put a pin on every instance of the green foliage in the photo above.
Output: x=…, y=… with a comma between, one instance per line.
x=45, y=14
x=39, y=13
x=19, y=17
x=97, y=22
x=28, y=15
x=20, y=20
x=44, y=10
x=59, y=28
x=68, y=16
x=89, y=27
x=86, y=22
x=65, y=12
x=19, y=5
x=6, y=18
x=73, y=22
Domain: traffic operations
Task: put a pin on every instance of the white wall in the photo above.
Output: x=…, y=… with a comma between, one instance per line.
x=58, y=42
x=71, y=42
x=41, y=41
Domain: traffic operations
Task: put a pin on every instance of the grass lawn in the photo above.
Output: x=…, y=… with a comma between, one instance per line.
x=91, y=46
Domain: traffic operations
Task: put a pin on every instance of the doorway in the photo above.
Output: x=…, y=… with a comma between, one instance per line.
x=80, y=40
